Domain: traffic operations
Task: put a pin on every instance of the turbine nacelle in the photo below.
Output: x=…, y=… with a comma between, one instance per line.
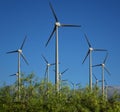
x=91, y=49
x=103, y=65
x=19, y=50
x=17, y=74
x=57, y=24
x=48, y=64
x=60, y=74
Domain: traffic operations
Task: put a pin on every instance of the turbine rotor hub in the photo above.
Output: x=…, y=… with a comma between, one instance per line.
x=103, y=64
x=19, y=50
x=57, y=24
x=48, y=64
x=17, y=74
x=91, y=49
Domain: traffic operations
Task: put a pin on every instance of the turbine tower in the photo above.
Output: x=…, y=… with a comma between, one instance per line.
x=55, y=29
x=90, y=50
x=47, y=68
x=106, y=90
x=20, y=53
x=103, y=69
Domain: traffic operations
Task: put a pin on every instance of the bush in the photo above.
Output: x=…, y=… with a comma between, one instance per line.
x=39, y=96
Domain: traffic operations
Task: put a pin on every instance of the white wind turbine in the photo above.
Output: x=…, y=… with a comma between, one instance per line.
x=17, y=78
x=64, y=82
x=97, y=81
x=16, y=74
x=60, y=77
x=74, y=86
x=20, y=53
x=90, y=50
x=55, y=30
x=47, y=68
x=103, y=69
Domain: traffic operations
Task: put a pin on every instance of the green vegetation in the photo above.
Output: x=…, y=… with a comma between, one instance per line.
x=39, y=96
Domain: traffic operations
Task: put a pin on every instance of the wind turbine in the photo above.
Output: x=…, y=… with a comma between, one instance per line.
x=60, y=75
x=17, y=78
x=20, y=53
x=47, y=67
x=103, y=69
x=64, y=82
x=90, y=50
x=55, y=29
x=74, y=86
x=97, y=81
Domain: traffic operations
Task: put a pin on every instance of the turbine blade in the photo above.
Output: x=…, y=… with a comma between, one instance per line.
x=86, y=56
x=99, y=49
x=56, y=19
x=54, y=70
x=12, y=51
x=96, y=65
x=95, y=77
x=65, y=80
x=107, y=71
x=23, y=42
x=46, y=72
x=65, y=71
x=105, y=58
x=45, y=59
x=70, y=25
x=12, y=75
x=24, y=58
x=87, y=40
x=105, y=82
x=50, y=36
x=100, y=80
x=72, y=83
x=52, y=64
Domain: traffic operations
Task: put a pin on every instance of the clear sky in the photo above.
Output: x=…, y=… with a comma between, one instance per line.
x=100, y=20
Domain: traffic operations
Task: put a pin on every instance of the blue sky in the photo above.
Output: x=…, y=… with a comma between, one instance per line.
x=100, y=20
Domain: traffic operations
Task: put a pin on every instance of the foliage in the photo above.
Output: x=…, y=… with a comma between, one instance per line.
x=39, y=96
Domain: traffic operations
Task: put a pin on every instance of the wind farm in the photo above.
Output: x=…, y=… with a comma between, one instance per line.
x=90, y=60
x=74, y=60
x=79, y=46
